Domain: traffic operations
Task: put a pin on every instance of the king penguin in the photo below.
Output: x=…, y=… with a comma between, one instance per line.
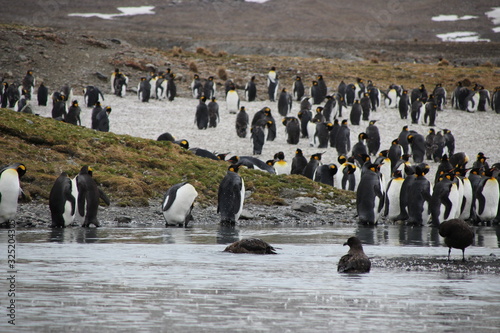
x=251, y=90
x=272, y=84
x=487, y=196
x=88, y=197
x=369, y=196
x=42, y=95
x=242, y=123
x=232, y=99
x=299, y=163
x=281, y=166
x=62, y=201
x=392, y=207
x=419, y=196
x=178, y=203
x=10, y=189
x=444, y=203
x=298, y=89
x=231, y=196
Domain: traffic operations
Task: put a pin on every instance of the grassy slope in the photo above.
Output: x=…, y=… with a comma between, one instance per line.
x=130, y=170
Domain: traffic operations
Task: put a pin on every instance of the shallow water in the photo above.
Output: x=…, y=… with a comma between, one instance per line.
x=158, y=279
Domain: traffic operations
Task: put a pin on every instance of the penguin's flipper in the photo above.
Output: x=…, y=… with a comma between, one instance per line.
x=426, y=195
x=447, y=204
x=482, y=202
x=104, y=197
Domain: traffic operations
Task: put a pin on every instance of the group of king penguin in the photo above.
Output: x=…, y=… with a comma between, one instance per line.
x=386, y=183
x=389, y=186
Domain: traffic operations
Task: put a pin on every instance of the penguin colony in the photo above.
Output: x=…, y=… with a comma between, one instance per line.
x=390, y=182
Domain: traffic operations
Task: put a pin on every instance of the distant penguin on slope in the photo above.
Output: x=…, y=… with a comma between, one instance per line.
x=242, y=122
x=251, y=90
x=232, y=99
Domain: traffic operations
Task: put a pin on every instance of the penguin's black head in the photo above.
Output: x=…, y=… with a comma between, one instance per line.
x=234, y=167
x=344, y=122
x=280, y=155
x=108, y=109
x=298, y=152
x=86, y=170
x=19, y=167
x=342, y=159
x=75, y=103
x=384, y=153
x=234, y=159
x=222, y=156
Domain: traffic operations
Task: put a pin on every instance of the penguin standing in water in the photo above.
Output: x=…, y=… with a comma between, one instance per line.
x=251, y=90
x=10, y=189
x=298, y=89
x=42, y=95
x=88, y=197
x=487, y=197
x=242, y=123
x=444, y=203
x=201, y=117
x=232, y=99
x=231, y=195
x=62, y=201
x=272, y=84
x=292, y=130
x=325, y=174
x=284, y=103
x=392, y=208
x=144, y=90
x=369, y=196
x=312, y=165
x=299, y=163
x=356, y=112
x=419, y=196
x=209, y=88
x=373, y=138
x=178, y=203
x=213, y=113
x=404, y=104
x=343, y=140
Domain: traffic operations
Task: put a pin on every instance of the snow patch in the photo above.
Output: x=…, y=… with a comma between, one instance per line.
x=449, y=18
x=494, y=16
x=125, y=11
x=461, y=36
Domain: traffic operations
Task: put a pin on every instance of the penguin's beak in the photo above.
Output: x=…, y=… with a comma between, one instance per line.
x=345, y=244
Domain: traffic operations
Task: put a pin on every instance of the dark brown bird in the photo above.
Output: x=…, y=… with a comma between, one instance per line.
x=355, y=261
x=251, y=245
x=457, y=234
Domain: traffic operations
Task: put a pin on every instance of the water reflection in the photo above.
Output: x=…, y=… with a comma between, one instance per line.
x=180, y=280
